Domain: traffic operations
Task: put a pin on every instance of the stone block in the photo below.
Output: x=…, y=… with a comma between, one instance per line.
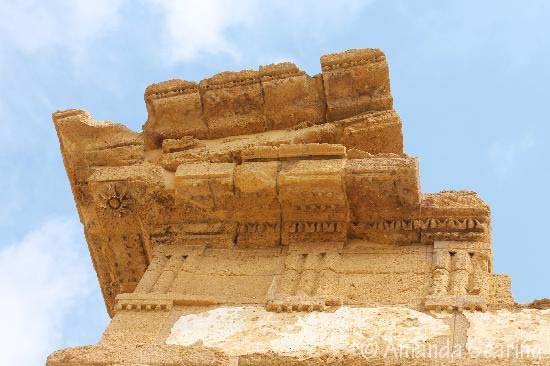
x=382, y=187
x=260, y=153
x=181, y=144
x=356, y=81
x=232, y=104
x=291, y=97
x=256, y=190
x=454, y=203
x=287, y=151
x=313, y=201
x=175, y=110
x=258, y=209
x=375, y=133
x=208, y=186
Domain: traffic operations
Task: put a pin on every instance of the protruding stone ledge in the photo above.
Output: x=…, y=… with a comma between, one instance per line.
x=275, y=97
x=294, y=151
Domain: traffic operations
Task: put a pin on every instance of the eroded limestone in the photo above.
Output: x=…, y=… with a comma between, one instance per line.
x=244, y=330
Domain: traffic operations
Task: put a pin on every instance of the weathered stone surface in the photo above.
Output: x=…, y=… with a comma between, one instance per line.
x=175, y=110
x=270, y=217
x=377, y=132
x=291, y=97
x=232, y=103
x=305, y=335
x=504, y=333
x=356, y=81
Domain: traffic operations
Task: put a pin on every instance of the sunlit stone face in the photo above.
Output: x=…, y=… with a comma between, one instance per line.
x=505, y=333
x=242, y=330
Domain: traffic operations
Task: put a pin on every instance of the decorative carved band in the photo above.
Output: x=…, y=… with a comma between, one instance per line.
x=282, y=75
x=260, y=227
x=345, y=65
x=225, y=84
x=161, y=305
x=172, y=93
x=351, y=58
x=424, y=224
x=314, y=207
x=315, y=227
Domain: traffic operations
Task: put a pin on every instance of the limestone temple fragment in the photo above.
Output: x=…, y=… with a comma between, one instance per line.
x=281, y=197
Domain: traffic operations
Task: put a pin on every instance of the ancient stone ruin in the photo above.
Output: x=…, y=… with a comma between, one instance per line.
x=270, y=217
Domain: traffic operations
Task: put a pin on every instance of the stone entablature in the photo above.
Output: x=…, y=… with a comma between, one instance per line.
x=277, y=191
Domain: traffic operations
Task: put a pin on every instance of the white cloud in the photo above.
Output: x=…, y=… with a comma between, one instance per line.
x=194, y=28
x=34, y=25
x=42, y=278
x=190, y=28
x=198, y=27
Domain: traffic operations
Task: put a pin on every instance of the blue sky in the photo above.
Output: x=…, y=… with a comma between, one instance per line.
x=469, y=79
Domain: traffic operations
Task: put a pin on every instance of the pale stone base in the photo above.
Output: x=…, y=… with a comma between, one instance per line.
x=245, y=330
x=250, y=335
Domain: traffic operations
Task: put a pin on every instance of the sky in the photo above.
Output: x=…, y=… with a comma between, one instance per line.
x=469, y=80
